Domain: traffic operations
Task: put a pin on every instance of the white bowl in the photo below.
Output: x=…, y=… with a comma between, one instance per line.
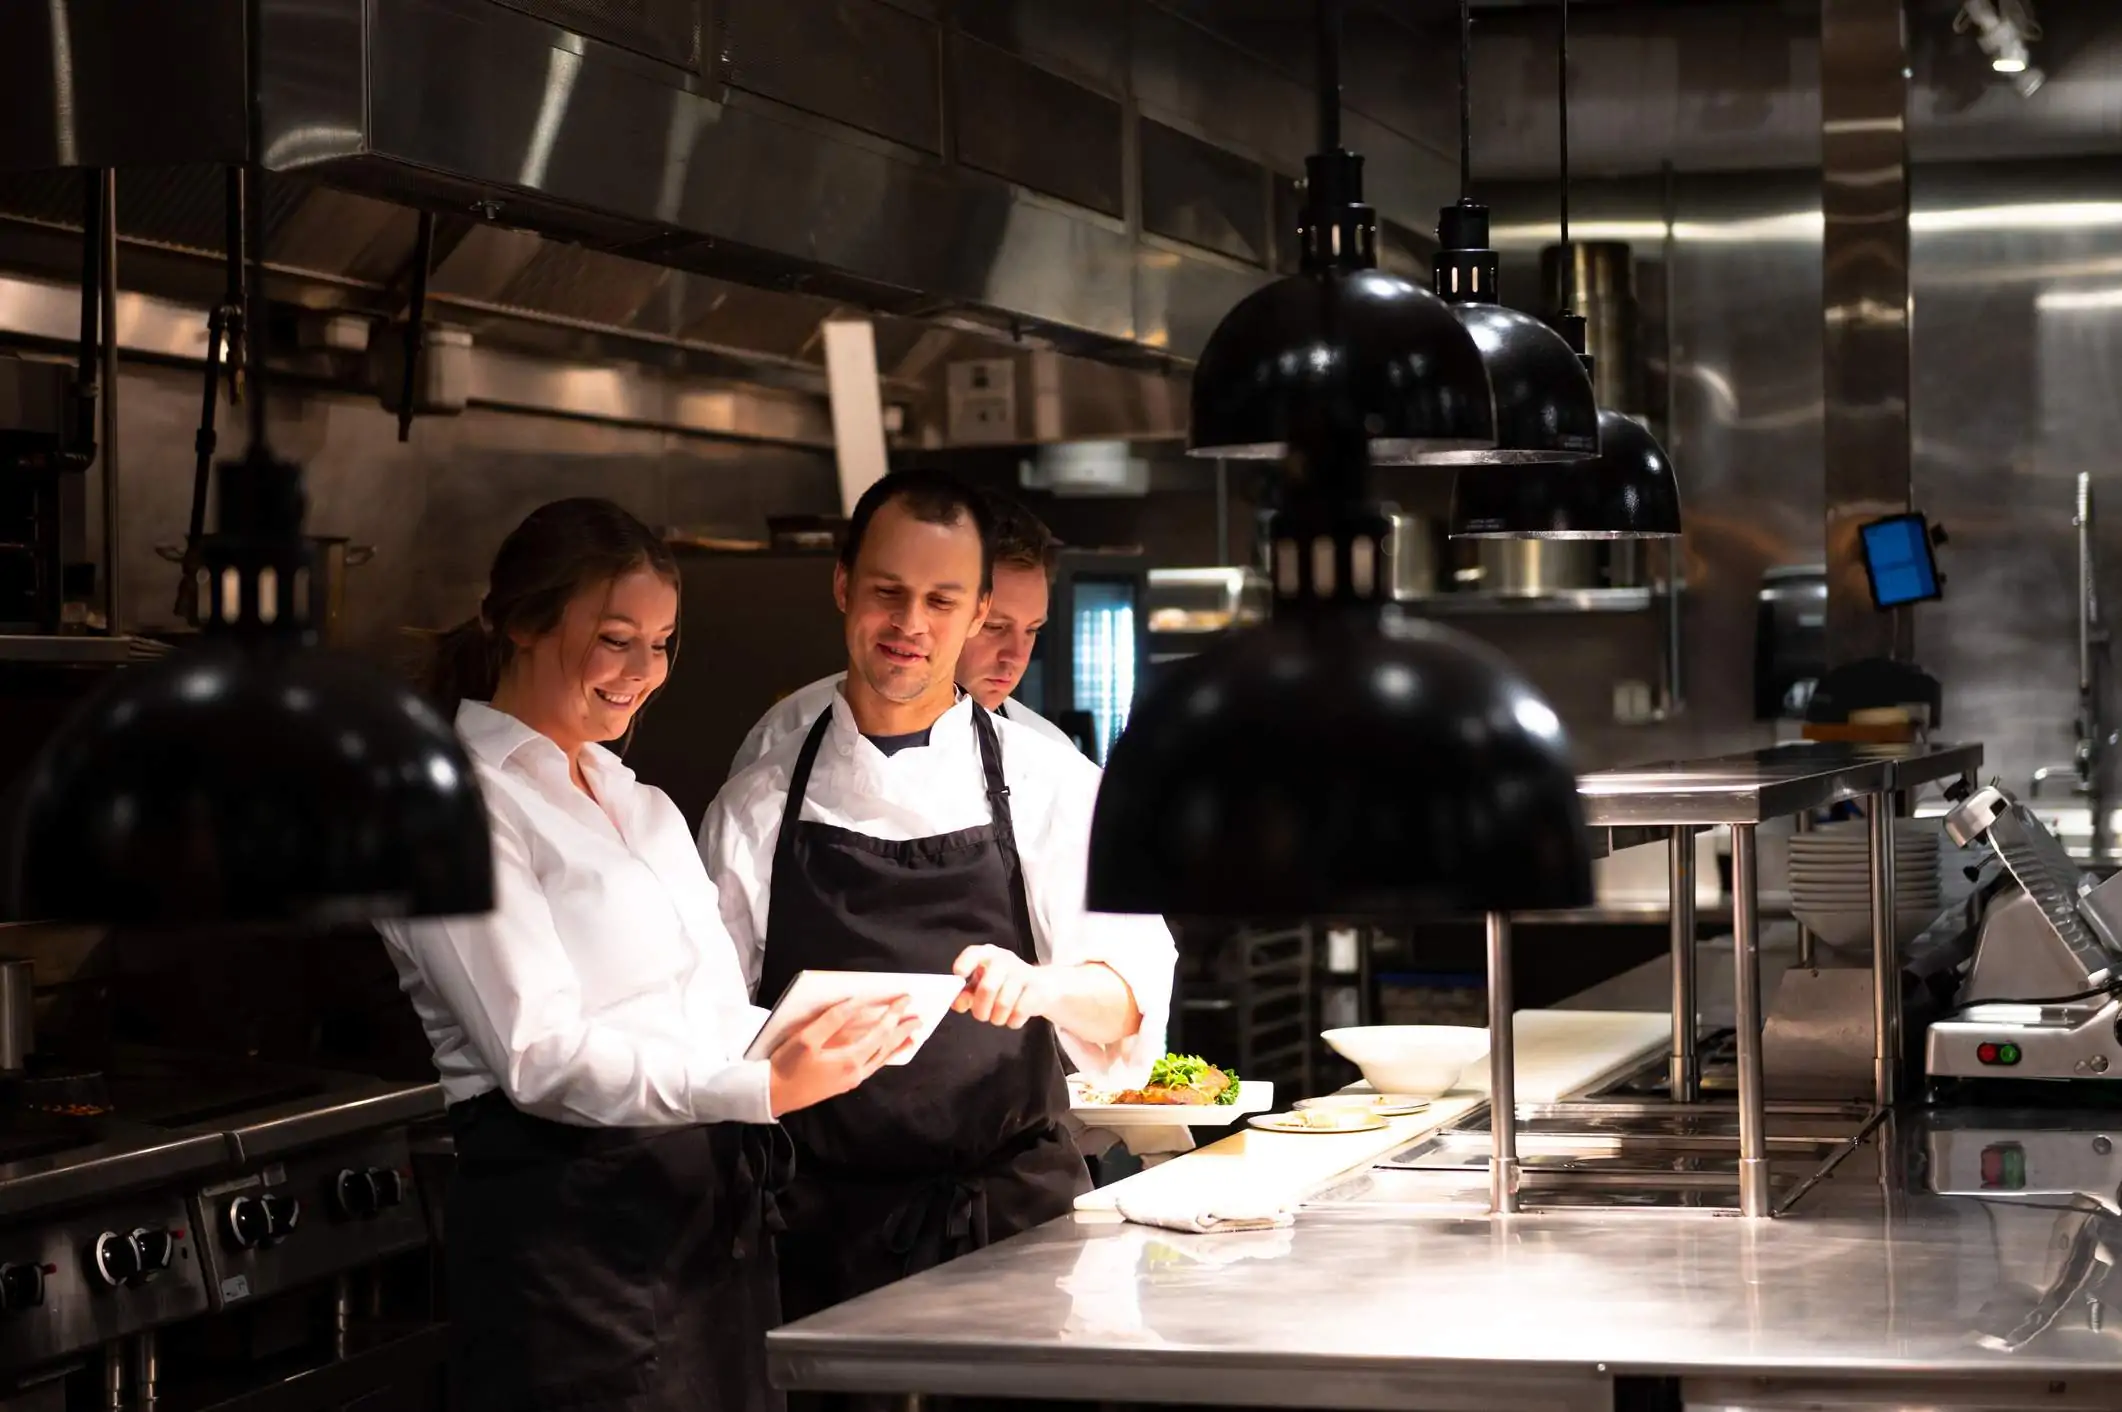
x=1420, y=1060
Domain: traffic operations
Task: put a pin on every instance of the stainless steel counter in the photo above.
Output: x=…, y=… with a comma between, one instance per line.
x=76, y=1161
x=1745, y=791
x=1759, y=785
x=1378, y=1299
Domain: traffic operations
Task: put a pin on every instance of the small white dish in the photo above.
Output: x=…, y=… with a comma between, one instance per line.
x=1316, y=1121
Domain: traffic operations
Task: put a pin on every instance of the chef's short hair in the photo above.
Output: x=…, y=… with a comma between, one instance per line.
x=1022, y=540
x=932, y=498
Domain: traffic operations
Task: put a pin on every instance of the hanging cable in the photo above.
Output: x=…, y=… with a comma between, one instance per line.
x=254, y=220
x=1328, y=15
x=1466, y=100
x=1569, y=264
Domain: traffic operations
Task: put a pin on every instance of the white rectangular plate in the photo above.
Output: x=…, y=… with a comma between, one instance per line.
x=812, y=993
x=1253, y=1097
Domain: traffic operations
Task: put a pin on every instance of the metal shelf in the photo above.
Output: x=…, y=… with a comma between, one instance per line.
x=1573, y=600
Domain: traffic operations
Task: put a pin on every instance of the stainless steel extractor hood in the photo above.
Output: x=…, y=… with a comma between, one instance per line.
x=1105, y=178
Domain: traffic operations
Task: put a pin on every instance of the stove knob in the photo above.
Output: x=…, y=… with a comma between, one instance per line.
x=156, y=1248
x=116, y=1259
x=21, y=1287
x=244, y=1222
x=358, y=1197
x=282, y=1215
x=390, y=1187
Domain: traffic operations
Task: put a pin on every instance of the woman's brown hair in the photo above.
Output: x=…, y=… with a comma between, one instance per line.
x=558, y=551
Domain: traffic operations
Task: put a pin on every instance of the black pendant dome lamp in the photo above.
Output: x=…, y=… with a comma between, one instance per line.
x=1343, y=759
x=1341, y=328
x=1545, y=409
x=1628, y=491
x=252, y=778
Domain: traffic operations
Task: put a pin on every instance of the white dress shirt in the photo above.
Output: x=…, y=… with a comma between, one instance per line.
x=794, y=713
x=936, y=789
x=602, y=989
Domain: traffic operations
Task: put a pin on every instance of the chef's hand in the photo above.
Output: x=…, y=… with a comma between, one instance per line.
x=838, y=1050
x=1001, y=987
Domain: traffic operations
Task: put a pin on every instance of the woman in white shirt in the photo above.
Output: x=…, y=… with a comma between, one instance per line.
x=608, y=1232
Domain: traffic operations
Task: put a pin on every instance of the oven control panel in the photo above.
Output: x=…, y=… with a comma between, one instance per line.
x=71, y=1282
x=309, y=1217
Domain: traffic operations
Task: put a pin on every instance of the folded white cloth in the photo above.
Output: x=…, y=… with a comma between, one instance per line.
x=1206, y=1213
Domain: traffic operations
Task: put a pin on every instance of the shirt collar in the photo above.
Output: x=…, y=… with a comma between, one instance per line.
x=953, y=728
x=495, y=737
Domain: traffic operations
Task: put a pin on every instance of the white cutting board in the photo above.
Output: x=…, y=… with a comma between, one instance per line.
x=1559, y=1052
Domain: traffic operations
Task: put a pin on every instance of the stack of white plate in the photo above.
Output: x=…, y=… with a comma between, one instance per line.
x=1830, y=883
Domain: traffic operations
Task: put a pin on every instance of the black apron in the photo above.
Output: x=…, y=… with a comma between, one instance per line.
x=610, y=1269
x=964, y=1145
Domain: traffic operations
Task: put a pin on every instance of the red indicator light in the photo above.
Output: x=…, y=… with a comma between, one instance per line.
x=1987, y=1053
x=2004, y=1167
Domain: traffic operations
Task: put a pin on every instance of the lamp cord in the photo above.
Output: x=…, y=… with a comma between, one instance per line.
x=1569, y=271
x=255, y=324
x=1328, y=15
x=1466, y=100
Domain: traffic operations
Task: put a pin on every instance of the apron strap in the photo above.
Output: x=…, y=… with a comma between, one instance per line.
x=798, y=782
x=1005, y=830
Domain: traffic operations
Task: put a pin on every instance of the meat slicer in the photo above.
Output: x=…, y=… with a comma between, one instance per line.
x=2040, y=998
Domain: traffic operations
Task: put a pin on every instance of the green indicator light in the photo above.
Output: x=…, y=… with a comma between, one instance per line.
x=2008, y=1054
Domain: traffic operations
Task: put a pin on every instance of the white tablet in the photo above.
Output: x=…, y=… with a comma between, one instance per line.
x=812, y=993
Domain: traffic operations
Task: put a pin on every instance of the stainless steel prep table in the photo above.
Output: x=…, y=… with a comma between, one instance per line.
x=1744, y=791
x=1880, y=1286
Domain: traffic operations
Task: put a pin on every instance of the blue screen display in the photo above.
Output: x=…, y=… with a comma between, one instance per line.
x=1897, y=551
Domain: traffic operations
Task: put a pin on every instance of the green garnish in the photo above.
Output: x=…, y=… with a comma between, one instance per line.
x=1187, y=1070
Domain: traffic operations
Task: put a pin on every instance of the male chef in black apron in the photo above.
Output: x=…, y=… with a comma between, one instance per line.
x=911, y=830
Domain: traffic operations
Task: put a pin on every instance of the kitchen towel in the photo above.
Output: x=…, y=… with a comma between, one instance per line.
x=1210, y=1212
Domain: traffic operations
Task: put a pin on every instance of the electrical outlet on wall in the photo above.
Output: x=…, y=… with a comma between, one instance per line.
x=982, y=401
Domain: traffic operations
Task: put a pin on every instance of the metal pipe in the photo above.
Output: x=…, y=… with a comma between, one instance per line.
x=1685, y=1071
x=114, y=1377
x=89, y=368
x=342, y=1314
x=1502, y=1072
x=1885, y=956
x=1806, y=958
x=2082, y=521
x=147, y=1371
x=416, y=323
x=1222, y=511
x=107, y=451
x=1675, y=557
x=1754, y=1189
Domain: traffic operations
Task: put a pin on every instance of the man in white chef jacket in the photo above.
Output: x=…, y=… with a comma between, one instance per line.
x=994, y=659
x=909, y=829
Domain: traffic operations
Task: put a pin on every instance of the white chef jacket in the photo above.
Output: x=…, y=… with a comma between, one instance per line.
x=793, y=715
x=935, y=789
x=602, y=989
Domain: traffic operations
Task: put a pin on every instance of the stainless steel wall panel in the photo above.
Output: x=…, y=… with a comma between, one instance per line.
x=1086, y=40
x=1866, y=310
x=1200, y=194
x=860, y=62
x=96, y=82
x=1015, y=120
x=672, y=31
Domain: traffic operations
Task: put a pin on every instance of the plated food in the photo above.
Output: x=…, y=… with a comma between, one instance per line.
x=1182, y=1080
x=1183, y=1090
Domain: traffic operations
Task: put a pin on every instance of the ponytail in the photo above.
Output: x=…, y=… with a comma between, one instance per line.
x=466, y=667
